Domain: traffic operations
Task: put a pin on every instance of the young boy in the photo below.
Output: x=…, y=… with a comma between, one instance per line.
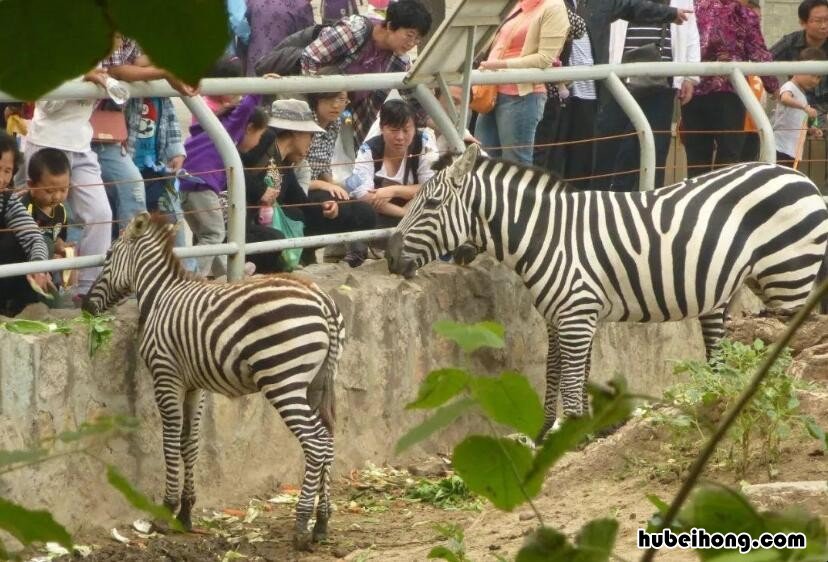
x=793, y=112
x=48, y=184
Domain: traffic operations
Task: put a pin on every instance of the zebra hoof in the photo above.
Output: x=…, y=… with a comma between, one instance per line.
x=302, y=540
x=320, y=530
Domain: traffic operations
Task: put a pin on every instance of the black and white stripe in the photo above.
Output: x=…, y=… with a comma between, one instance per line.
x=677, y=252
x=277, y=335
x=14, y=216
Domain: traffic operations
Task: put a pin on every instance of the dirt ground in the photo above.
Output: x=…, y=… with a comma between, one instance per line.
x=375, y=519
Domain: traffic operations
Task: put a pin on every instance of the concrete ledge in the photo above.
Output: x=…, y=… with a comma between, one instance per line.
x=48, y=384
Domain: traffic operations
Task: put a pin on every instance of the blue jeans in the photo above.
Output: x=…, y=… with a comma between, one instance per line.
x=126, y=195
x=511, y=123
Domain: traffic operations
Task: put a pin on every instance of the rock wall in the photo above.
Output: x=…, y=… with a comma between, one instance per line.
x=48, y=384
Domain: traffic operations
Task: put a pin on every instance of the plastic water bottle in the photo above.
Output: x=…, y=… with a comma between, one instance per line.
x=266, y=215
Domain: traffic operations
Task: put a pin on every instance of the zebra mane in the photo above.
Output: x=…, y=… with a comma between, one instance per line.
x=160, y=230
x=554, y=178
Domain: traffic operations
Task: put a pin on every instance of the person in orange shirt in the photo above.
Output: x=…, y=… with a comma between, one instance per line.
x=750, y=150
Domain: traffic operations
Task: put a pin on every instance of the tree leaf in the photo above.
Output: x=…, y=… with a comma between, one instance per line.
x=609, y=405
x=495, y=468
x=545, y=545
x=439, y=387
x=471, y=337
x=815, y=430
x=443, y=553
x=185, y=37
x=510, y=399
x=440, y=419
x=23, y=455
x=596, y=540
x=32, y=526
x=52, y=42
x=718, y=509
x=139, y=501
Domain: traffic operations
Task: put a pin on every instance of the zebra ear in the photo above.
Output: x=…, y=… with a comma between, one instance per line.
x=465, y=163
x=139, y=225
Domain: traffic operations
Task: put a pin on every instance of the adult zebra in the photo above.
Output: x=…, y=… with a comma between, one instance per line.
x=677, y=252
x=277, y=335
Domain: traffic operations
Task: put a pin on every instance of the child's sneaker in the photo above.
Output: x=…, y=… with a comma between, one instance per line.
x=249, y=268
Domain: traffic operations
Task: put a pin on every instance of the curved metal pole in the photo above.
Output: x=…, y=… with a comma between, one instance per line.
x=441, y=118
x=767, y=143
x=235, y=182
x=645, y=133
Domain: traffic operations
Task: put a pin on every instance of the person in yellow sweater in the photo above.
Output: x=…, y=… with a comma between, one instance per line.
x=532, y=36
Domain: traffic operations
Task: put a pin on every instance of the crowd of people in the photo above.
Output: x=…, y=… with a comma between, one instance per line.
x=74, y=172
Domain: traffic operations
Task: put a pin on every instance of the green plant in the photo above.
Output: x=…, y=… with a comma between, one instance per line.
x=446, y=493
x=455, y=548
x=99, y=329
x=509, y=473
x=713, y=388
x=38, y=526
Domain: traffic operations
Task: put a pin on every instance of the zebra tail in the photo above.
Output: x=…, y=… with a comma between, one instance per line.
x=321, y=395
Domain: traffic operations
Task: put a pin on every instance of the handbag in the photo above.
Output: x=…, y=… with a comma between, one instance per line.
x=641, y=86
x=291, y=229
x=108, y=124
x=484, y=96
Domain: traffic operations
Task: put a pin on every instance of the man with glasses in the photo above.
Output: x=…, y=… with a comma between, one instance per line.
x=358, y=45
x=813, y=18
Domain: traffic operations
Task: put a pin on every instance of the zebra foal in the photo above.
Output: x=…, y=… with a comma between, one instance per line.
x=677, y=252
x=277, y=335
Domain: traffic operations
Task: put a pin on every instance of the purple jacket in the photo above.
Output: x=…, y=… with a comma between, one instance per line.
x=202, y=155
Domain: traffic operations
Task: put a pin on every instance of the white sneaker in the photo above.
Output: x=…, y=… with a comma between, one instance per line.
x=249, y=268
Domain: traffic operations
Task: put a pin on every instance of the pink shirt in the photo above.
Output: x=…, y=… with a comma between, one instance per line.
x=509, y=41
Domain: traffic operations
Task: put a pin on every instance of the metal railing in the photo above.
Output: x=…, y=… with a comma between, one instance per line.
x=236, y=248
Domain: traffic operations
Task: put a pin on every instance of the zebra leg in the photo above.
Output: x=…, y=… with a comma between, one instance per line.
x=712, y=326
x=587, y=368
x=323, y=507
x=317, y=446
x=193, y=408
x=169, y=398
x=553, y=379
x=575, y=340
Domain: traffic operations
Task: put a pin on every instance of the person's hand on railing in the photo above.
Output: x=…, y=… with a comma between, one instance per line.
x=176, y=163
x=96, y=76
x=180, y=86
x=336, y=191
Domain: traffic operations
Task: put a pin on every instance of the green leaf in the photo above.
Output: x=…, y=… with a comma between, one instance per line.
x=23, y=455
x=139, y=501
x=439, y=387
x=471, y=337
x=52, y=42
x=609, y=406
x=815, y=430
x=495, y=468
x=27, y=326
x=32, y=526
x=443, y=553
x=440, y=419
x=511, y=400
x=596, y=540
x=545, y=545
x=187, y=40
x=718, y=509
